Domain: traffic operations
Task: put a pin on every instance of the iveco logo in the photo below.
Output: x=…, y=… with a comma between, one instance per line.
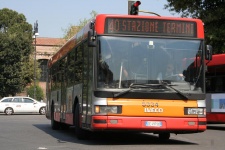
x=153, y=110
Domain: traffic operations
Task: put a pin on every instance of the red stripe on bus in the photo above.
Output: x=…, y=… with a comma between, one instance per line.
x=139, y=123
x=215, y=117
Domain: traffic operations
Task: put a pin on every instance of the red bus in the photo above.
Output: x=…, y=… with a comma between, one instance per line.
x=215, y=89
x=106, y=77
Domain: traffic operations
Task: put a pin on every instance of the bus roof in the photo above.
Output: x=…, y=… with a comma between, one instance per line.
x=217, y=59
x=137, y=20
x=101, y=24
x=68, y=46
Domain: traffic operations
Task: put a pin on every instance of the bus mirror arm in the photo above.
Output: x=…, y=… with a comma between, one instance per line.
x=92, y=35
x=208, y=53
x=92, y=38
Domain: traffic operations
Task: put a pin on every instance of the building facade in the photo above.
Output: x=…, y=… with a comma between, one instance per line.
x=45, y=48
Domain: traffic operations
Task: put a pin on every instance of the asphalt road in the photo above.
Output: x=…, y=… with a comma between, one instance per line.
x=33, y=132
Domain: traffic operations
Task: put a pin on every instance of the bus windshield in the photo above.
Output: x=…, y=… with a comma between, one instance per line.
x=123, y=61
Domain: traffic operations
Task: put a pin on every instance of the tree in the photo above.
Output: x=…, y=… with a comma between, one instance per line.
x=39, y=92
x=15, y=50
x=211, y=12
x=28, y=71
x=73, y=29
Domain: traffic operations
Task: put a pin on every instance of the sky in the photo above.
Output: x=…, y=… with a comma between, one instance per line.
x=55, y=16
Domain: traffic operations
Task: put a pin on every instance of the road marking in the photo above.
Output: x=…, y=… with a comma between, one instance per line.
x=42, y=148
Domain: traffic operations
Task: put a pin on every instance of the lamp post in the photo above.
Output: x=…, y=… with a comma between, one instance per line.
x=35, y=34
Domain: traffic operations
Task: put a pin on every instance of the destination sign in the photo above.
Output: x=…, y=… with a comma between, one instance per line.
x=156, y=27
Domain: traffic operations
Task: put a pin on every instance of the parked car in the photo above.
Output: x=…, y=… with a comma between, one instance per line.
x=20, y=104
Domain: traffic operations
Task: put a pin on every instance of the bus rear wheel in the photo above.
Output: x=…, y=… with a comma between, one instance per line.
x=54, y=124
x=80, y=133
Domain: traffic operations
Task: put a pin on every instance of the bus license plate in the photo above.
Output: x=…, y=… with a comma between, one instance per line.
x=153, y=123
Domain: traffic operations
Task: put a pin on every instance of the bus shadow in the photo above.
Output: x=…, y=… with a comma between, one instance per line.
x=109, y=138
x=216, y=127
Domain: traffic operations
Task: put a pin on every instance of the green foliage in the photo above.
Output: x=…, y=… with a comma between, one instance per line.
x=211, y=12
x=38, y=92
x=15, y=50
x=28, y=71
x=73, y=29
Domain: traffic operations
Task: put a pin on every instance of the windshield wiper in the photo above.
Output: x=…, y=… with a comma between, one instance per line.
x=165, y=84
x=136, y=85
x=178, y=91
x=123, y=92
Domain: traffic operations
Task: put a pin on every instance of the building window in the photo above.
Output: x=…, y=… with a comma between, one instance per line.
x=43, y=66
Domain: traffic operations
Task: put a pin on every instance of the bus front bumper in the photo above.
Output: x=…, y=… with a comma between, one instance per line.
x=149, y=124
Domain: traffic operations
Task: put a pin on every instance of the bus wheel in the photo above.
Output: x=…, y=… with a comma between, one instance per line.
x=54, y=124
x=164, y=136
x=80, y=133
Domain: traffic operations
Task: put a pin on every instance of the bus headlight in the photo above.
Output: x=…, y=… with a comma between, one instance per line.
x=108, y=109
x=194, y=111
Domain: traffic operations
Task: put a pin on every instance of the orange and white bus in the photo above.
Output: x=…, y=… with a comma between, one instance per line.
x=215, y=89
x=106, y=77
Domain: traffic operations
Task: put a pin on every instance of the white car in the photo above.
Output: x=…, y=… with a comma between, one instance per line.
x=19, y=104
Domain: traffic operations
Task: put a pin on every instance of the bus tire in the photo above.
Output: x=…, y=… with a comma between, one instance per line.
x=164, y=136
x=54, y=124
x=80, y=133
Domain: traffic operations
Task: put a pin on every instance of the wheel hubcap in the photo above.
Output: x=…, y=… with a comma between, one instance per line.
x=42, y=111
x=8, y=111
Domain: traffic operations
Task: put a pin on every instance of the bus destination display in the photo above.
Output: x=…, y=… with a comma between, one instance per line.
x=150, y=27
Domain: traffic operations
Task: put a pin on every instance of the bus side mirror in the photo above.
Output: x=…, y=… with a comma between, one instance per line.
x=91, y=39
x=208, y=53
